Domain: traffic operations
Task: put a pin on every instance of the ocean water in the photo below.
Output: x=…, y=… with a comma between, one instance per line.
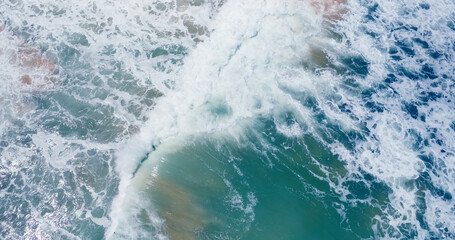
x=227, y=119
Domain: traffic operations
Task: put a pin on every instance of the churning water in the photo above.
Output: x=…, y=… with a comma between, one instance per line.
x=227, y=119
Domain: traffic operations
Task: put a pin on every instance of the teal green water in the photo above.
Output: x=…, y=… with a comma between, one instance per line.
x=263, y=186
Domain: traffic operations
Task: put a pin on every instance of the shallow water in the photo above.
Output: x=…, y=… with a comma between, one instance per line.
x=227, y=120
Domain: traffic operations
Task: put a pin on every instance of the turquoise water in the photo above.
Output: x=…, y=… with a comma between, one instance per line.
x=227, y=119
x=230, y=187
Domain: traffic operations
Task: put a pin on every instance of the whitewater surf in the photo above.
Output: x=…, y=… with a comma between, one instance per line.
x=229, y=119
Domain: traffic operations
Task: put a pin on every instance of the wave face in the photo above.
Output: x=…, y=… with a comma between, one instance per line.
x=260, y=119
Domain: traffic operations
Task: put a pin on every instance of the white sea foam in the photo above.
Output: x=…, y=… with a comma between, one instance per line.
x=391, y=151
x=104, y=53
x=250, y=62
x=226, y=82
x=247, y=67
